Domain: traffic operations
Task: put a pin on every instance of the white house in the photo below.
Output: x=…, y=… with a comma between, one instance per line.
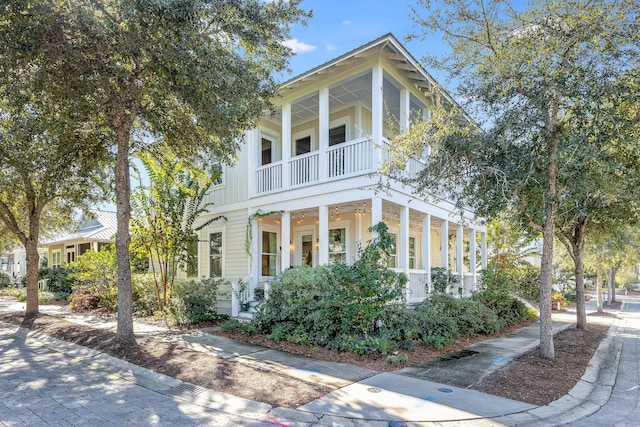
x=303, y=188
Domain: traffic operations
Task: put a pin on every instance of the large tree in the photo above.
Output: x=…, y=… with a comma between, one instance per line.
x=49, y=160
x=527, y=72
x=197, y=73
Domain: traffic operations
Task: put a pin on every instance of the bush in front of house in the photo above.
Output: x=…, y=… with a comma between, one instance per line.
x=194, y=301
x=145, y=301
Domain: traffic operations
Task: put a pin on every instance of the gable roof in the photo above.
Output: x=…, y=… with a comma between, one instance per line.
x=95, y=225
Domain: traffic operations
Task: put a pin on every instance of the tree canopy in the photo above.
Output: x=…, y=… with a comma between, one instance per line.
x=194, y=74
x=536, y=80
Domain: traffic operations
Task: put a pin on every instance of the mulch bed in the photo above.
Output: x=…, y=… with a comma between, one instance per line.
x=187, y=365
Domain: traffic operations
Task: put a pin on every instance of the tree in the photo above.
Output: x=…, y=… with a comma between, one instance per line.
x=195, y=73
x=529, y=73
x=164, y=215
x=49, y=161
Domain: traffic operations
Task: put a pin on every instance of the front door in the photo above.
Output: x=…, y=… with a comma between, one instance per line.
x=304, y=253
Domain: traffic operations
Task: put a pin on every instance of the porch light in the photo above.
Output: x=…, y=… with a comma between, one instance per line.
x=290, y=245
x=317, y=243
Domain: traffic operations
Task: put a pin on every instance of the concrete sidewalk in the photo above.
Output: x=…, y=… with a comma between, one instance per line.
x=429, y=394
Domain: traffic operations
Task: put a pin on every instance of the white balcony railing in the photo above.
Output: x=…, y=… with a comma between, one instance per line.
x=269, y=178
x=350, y=158
x=303, y=169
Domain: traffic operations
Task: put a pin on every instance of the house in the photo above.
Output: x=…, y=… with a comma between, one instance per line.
x=303, y=191
x=95, y=230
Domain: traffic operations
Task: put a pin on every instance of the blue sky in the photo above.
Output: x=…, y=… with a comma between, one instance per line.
x=340, y=26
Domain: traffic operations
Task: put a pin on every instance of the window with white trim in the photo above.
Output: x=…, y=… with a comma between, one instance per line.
x=215, y=254
x=56, y=258
x=338, y=245
x=392, y=257
x=269, y=253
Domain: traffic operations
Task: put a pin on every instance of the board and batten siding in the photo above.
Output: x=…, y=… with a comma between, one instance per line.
x=235, y=186
x=235, y=260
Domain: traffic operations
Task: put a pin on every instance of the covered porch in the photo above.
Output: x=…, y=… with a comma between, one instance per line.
x=330, y=233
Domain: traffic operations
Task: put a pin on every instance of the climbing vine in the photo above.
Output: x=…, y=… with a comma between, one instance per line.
x=249, y=233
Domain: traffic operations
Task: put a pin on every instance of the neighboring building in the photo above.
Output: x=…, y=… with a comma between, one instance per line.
x=95, y=230
x=303, y=189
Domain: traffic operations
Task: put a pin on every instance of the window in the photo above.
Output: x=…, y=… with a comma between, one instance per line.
x=337, y=135
x=267, y=151
x=392, y=258
x=269, y=253
x=56, y=258
x=70, y=253
x=215, y=254
x=192, y=257
x=412, y=252
x=337, y=245
x=303, y=145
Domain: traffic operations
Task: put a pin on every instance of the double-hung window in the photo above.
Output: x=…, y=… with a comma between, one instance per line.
x=215, y=254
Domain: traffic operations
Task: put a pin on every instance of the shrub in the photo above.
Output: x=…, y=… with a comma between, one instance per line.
x=95, y=280
x=145, y=302
x=58, y=279
x=444, y=281
x=194, y=301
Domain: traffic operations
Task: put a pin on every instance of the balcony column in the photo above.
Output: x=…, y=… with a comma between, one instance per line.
x=483, y=250
x=285, y=241
x=405, y=110
x=286, y=144
x=323, y=235
x=377, y=113
x=444, y=244
x=323, y=133
x=253, y=148
x=472, y=257
x=426, y=248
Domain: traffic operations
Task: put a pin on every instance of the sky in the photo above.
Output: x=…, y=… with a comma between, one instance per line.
x=339, y=26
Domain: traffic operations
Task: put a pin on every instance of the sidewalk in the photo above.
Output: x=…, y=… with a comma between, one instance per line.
x=412, y=396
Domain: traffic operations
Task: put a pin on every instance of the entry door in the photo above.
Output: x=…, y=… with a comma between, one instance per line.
x=304, y=251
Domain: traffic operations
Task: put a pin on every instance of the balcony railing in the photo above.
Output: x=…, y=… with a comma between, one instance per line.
x=343, y=160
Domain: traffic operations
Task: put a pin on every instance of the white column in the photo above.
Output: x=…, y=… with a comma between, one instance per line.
x=358, y=118
x=376, y=212
x=377, y=112
x=405, y=109
x=323, y=133
x=323, y=235
x=426, y=248
x=459, y=250
x=403, y=244
x=285, y=241
x=483, y=250
x=255, y=250
x=444, y=244
x=286, y=144
x=358, y=232
x=252, y=149
x=472, y=257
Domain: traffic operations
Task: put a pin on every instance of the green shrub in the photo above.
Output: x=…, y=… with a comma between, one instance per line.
x=145, y=302
x=5, y=280
x=231, y=325
x=197, y=300
x=397, y=359
x=95, y=280
x=58, y=279
x=445, y=281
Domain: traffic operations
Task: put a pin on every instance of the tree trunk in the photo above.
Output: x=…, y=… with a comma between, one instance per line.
x=124, y=332
x=613, y=284
x=581, y=312
x=599, y=288
x=33, y=261
x=546, y=327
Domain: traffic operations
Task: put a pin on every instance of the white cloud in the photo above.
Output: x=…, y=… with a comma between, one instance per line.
x=298, y=47
x=330, y=46
x=346, y=22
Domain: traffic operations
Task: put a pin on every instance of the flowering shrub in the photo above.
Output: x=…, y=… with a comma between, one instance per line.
x=83, y=299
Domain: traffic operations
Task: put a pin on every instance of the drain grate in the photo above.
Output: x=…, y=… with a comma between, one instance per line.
x=185, y=389
x=460, y=354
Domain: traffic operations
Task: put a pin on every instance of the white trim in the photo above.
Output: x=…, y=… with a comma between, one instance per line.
x=276, y=155
x=310, y=132
x=344, y=120
x=211, y=231
x=270, y=228
x=298, y=232
x=336, y=225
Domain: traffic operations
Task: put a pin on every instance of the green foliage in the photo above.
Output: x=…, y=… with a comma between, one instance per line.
x=194, y=301
x=144, y=294
x=95, y=281
x=444, y=281
x=59, y=279
x=318, y=305
x=230, y=325
x=164, y=215
x=397, y=359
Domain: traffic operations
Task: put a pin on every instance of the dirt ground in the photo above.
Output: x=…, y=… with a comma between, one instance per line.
x=528, y=378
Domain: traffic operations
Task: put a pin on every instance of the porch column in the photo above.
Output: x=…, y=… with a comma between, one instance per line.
x=483, y=250
x=376, y=212
x=377, y=112
x=323, y=235
x=286, y=144
x=358, y=231
x=285, y=241
x=426, y=248
x=95, y=246
x=403, y=244
x=323, y=133
x=472, y=257
x=405, y=110
x=255, y=249
x=459, y=251
x=444, y=244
